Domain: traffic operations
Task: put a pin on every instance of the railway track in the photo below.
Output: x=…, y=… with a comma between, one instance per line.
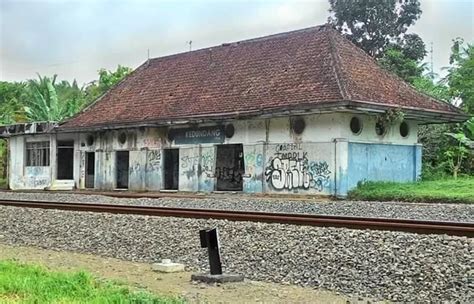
x=413, y=226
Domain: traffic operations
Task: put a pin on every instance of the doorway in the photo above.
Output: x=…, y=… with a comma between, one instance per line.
x=122, y=165
x=230, y=167
x=65, y=160
x=171, y=174
x=90, y=169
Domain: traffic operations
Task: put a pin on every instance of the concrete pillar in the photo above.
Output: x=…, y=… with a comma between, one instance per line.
x=418, y=148
x=254, y=168
x=207, y=168
x=341, y=146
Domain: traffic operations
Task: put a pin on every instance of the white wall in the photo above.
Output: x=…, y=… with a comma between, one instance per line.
x=260, y=138
x=392, y=135
x=22, y=177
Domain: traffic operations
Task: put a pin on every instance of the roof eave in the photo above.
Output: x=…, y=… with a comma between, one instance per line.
x=423, y=115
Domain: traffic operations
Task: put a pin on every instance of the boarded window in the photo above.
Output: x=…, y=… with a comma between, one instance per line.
x=37, y=154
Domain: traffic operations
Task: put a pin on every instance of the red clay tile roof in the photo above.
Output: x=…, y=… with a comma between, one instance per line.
x=308, y=68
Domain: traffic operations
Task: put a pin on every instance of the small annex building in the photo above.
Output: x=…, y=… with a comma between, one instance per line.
x=303, y=112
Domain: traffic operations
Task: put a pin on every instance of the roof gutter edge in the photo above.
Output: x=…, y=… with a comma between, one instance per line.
x=429, y=116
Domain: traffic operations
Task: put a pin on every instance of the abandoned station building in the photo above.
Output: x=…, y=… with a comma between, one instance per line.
x=302, y=112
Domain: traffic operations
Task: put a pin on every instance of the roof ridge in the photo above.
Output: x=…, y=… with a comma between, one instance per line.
x=250, y=40
x=337, y=66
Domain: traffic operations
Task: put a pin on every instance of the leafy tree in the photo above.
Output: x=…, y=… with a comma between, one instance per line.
x=461, y=74
x=412, y=47
x=107, y=79
x=374, y=25
x=396, y=61
x=379, y=27
x=437, y=90
x=457, y=153
x=71, y=96
x=11, y=102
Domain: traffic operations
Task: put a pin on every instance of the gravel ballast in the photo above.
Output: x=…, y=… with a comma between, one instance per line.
x=396, y=266
x=436, y=212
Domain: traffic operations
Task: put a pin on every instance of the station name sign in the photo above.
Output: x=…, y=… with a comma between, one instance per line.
x=198, y=135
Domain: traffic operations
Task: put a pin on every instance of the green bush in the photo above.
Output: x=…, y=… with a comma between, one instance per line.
x=446, y=190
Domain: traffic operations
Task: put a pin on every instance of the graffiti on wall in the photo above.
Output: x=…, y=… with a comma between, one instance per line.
x=37, y=177
x=135, y=168
x=151, y=142
x=153, y=160
x=289, y=168
x=83, y=165
x=320, y=174
x=203, y=163
x=34, y=181
x=253, y=171
x=230, y=175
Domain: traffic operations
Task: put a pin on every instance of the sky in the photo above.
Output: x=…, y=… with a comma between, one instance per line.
x=75, y=38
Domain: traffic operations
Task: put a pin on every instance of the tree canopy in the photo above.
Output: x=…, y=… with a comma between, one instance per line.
x=46, y=99
x=379, y=27
x=374, y=25
x=461, y=74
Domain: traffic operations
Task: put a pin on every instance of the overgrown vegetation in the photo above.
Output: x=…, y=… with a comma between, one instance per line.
x=435, y=191
x=380, y=28
x=21, y=283
x=3, y=163
x=46, y=99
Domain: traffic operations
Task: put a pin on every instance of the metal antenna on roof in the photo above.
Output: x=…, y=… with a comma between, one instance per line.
x=148, y=56
x=190, y=42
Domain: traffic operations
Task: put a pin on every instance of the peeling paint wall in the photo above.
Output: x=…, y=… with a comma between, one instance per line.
x=137, y=170
x=206, y=169
x=326, y=158
x=153, y=170
x=189, y=159
x=254, y=161
x=377, y=162
x=22, y=177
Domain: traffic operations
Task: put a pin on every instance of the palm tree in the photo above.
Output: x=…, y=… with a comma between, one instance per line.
x=47, y=100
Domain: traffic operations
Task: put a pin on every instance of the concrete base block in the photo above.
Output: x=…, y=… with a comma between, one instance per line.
x=167, y=266
x=217, y=278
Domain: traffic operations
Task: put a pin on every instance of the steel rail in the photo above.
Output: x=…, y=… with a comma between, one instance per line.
x=414, y=226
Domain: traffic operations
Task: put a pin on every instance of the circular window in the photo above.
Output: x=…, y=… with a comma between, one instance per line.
x=356, y=125
x=404, y=129
x=298, y=125
x=229, y=130
x=90, y=140
x=122, y=138
x=379, y=128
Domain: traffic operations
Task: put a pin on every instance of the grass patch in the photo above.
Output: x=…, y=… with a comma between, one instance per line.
x=460, y=190
x=23, y=283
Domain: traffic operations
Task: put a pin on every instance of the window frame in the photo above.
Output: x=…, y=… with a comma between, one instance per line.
x=38, y=153
x=404, y=123
x=361, y=126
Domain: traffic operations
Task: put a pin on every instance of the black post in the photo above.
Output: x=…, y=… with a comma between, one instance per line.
x=210, y=239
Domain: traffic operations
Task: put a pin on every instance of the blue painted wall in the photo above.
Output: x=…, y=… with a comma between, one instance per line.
x=382, y=162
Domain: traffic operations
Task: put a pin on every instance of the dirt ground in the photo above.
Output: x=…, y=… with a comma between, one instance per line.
x=177, y=284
